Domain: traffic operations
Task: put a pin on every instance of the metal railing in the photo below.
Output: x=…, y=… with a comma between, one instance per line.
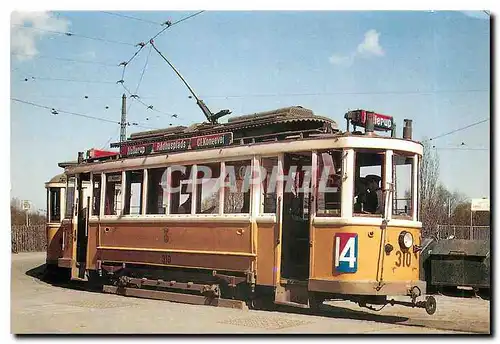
x=463, y=232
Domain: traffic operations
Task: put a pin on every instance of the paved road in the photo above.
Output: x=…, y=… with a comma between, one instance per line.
x=39, y=307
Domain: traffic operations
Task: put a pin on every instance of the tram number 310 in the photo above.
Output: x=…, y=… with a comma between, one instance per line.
x=403, y=259
x=166, y=259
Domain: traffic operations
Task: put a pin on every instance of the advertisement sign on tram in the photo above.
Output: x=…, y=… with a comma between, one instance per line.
x=192, y=143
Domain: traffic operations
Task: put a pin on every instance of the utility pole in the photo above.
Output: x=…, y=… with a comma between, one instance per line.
x=123, y=123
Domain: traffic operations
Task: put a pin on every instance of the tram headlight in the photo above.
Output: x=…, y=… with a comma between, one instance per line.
x=405, y=239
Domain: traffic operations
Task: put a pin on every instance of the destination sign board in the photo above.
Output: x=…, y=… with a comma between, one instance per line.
x=381, y=122
x=178, y=145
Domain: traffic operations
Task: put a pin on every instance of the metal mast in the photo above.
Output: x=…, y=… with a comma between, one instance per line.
x=123, y=123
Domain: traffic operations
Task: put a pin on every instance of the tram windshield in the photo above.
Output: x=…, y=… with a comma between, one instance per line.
x=55, y=204
x=368, y=195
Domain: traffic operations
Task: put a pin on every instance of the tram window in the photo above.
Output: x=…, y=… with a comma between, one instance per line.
x=208, y=186
x=368, y=195
x=113, y=194
x=70, y=197
x=55, y=205
x=133, y=192
x=181, y=195
x=96, y=195
x=268, y=188
x=402, y=177
x=157, y=191
x=329, y=183
x=237, y=187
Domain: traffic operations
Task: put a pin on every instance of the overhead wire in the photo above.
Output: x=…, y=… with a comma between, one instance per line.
x=111, y=138
x=459, y=129
x=56, y=111
x=140, y=81
x=72, y=34
x=304, y=94
x=461, y=149
x=69, y=80
x=69, y=60
x=341, y=93
x=141, y=46
x=65, y=112
x=130, y=17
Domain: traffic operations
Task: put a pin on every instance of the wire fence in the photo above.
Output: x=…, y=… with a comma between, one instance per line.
x=463, y=232
x=31, y=238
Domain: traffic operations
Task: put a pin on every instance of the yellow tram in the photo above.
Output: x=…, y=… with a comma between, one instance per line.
x=278, y=207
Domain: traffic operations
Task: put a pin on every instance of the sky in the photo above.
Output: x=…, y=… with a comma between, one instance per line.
x=431, y=67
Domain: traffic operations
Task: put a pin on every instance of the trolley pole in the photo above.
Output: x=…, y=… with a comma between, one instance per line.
x=123, y=123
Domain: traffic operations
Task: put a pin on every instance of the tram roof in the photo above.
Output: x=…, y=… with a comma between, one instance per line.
x=65, y=164
x=60, y=178
x=256, y=125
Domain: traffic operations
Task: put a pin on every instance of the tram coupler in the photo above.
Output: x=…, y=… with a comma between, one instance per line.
x=429, y=304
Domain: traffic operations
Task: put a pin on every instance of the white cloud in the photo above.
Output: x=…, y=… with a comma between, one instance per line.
x=370, y=45
x=23, y=41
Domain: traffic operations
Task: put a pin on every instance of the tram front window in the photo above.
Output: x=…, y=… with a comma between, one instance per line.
x=368, y=195
x=55, y=205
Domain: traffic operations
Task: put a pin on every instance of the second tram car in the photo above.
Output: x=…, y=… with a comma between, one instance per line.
x=279, y=207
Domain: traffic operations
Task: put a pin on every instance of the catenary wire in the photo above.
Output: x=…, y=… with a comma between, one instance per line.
x=74, y=113
x=71, y=34
x=130, y=17
x=459, y=129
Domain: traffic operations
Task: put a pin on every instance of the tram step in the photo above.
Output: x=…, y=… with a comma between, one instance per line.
x=175, y=297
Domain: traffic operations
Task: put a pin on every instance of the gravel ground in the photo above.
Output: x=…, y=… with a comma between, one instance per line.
x=39, y=307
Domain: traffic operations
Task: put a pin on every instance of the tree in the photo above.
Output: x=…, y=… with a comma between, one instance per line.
x=437, y=204
x=429, y=182
x=18, y=215
x=461, y=216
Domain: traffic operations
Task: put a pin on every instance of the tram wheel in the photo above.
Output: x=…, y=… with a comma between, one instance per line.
x=484, y=293
x=262, y=301
x=430, y=305
x=315, y=301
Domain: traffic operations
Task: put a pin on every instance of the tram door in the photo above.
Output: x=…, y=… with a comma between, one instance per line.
x=296, y=212
x=82, y=217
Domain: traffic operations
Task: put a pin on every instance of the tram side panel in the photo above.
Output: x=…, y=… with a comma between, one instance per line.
x=266, y=246
x=92, y=245
x=54, y=243
x=68, y=241
x=347, y=260
x=214, y=246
